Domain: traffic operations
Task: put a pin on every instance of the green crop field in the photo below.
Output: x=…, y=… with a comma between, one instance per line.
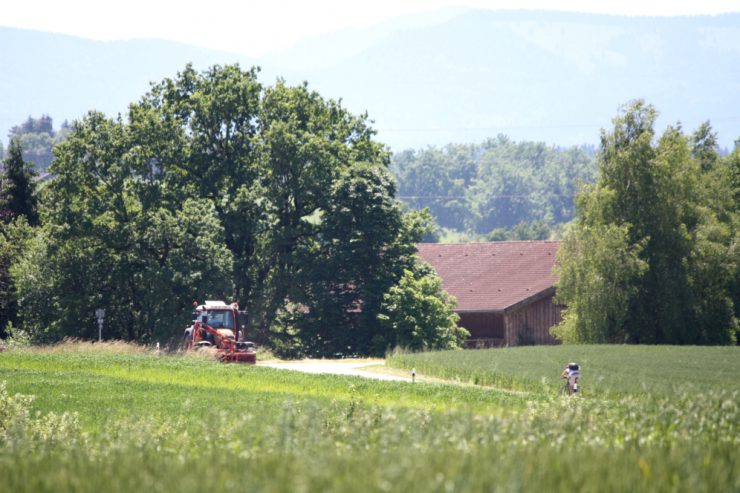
x=118, y=418
x=606, y=371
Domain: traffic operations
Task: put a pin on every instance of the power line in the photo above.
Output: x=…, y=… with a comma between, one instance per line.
x=513, y=196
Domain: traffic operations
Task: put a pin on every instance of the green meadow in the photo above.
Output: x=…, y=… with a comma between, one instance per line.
x=85, y=417
x=614, y=371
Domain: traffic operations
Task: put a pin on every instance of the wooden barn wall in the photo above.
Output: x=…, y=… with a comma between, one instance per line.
x=486, y=328
x=533, y=322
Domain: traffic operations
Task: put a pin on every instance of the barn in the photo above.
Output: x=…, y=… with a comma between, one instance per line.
x=504, y=289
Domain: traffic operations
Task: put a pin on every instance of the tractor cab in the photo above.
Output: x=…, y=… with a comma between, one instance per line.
x=220, y=316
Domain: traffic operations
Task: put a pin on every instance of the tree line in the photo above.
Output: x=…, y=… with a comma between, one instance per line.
x=496, y=190
x=216, y=186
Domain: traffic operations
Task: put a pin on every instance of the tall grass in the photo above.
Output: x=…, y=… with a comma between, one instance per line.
x=72, y=345
x=176, y=424
x=560, y=445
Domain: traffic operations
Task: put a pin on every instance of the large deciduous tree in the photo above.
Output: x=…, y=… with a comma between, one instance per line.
x=105, y=243
x=363, y=244
x=218, y=187
x=650, y=258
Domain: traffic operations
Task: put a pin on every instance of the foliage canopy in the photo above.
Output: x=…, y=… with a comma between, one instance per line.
x=217, y=187
x=418, y=313
x=652, y=256
x=496, y=186
x=18, y=210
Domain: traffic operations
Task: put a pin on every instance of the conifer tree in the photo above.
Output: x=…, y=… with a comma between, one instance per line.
x=18, y=194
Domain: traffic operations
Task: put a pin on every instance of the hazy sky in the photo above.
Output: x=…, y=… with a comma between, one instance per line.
x=256, y=27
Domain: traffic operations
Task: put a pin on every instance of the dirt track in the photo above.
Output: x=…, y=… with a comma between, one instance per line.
x=362, y=368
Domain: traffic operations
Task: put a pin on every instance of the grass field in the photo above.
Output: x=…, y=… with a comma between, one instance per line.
x=121, y=419
x=606, y=371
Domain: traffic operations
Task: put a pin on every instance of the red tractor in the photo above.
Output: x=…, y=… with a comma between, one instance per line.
x=217, y=325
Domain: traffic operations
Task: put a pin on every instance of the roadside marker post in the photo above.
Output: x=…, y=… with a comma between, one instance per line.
x=100, y=314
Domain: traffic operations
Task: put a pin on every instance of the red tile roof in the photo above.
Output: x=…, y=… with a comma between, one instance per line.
x=492, y=276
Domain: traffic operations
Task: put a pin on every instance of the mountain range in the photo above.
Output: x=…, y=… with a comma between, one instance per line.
x=451, y=76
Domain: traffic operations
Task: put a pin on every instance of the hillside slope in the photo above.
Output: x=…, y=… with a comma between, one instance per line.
x=466, y=76
x=542, y=76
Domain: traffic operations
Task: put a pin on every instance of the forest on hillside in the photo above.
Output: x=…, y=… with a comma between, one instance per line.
x=500, y=189
x=37, y=137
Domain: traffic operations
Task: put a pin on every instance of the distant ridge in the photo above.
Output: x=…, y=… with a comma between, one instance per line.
x=65, y=76
x=547, y=76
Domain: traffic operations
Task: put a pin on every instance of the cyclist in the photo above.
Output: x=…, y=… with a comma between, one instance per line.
x=571, y=374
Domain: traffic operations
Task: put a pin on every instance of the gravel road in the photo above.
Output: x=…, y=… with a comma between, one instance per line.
x=338, y=367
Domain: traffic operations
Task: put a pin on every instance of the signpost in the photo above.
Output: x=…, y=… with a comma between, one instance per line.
x=100, y=314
